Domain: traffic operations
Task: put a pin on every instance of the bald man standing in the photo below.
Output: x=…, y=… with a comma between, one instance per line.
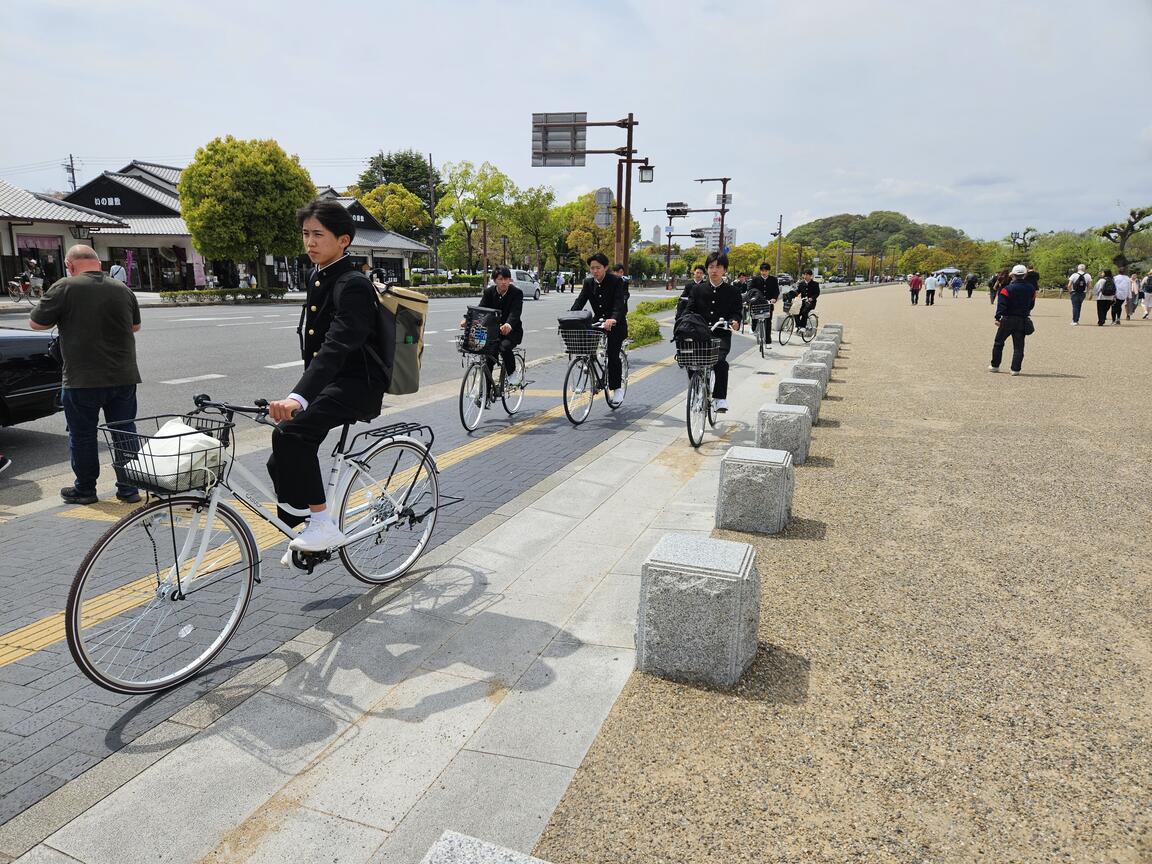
x=98, y=317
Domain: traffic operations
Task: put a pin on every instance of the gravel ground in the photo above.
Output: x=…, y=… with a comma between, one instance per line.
x=956, y=639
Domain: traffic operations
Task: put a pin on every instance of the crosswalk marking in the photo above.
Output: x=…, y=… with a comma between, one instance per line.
x=287, y=365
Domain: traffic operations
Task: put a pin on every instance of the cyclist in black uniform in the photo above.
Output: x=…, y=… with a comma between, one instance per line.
x=809, y=290
x=764, y=288
x=608, y=296
x=508, y=301
x=717, y=300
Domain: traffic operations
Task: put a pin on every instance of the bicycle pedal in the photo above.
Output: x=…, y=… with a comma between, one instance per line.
x=307, y=561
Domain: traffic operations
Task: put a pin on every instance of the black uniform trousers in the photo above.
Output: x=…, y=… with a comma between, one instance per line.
x=296, y=446
x=616, y=337
x=1010, y=325
x=720, y=386
x=504, y=349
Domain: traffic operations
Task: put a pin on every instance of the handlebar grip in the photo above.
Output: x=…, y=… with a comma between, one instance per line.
x=199, y=399
x=261, y=403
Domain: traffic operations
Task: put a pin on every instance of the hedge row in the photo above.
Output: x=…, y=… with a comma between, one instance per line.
x=649, y=307
x=642, y=330
x=449, y=290
x=223, y=295
x=476, y=280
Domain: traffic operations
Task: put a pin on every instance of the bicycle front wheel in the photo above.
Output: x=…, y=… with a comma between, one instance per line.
x=786, y=328
x=709, y=388
x=809, y=332
x=623, y=383
x=388, y=510
x=514, y=388
x=697, y=407
x=160, y=594
x=472, y=392
x=578, y=390
x=761, y=332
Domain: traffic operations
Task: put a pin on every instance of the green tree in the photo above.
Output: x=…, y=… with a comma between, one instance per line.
x=746, y=258
x=643, y=266
x=406, y=167
x=397, y=209
x=531, y=216
x=584, y=236
x=239, y=199
x=472, y=194
x=1121, y=232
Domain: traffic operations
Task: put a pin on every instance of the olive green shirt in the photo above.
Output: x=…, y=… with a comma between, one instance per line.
x=95, y=315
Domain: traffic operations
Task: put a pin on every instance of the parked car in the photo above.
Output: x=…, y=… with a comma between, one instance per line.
x=526, y=282
x=30, y=379
x=783, y=279
x=861, y=278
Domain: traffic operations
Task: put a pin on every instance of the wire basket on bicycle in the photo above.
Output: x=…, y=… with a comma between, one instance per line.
x=697, y=355
x=757, y=311
x=169, y=453
x=480, y=325
x=583, y=341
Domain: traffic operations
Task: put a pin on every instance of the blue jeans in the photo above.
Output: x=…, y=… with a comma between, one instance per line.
x=82, y=406
x=1077, y=302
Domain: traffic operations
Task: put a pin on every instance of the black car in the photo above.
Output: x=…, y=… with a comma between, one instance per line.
x=783, y=279
x=30, y=379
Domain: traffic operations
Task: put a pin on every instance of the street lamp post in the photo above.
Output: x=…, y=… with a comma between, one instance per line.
x=779, y=235
x=723, y=181
x=504, y=241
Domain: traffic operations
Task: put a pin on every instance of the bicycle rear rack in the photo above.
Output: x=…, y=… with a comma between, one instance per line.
x=392, y=430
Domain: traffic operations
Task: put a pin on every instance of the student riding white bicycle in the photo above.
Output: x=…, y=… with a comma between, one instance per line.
x=716, y=300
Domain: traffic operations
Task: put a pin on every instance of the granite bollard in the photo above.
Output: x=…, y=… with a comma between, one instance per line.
x=453, y=848
x=699, y=610
x=831, y=336
x=824, y=345
x=825, y=357
x=755, y=494
x=833, y=325
x=801, y=391
x=816, y=371
x=785, y=427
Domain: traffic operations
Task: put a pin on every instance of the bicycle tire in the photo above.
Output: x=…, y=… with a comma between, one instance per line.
x=377, y=484
x=760, y=328
x=623, y=383
x=709, y=402
x=513, y=399
x=578, y=390
x=809, y=332
x=142, y=588
x=787, y=326
x=473, y=395
x=695, y=409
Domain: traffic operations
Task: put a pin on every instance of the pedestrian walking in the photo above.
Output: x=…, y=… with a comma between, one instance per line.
x=998, y=281
x=98, y=318
x=930, y=290
x=559, y=283
x=1013, y=308
x=1105, y=293
x=914, y=286
x=970, y=284
x=1078, y=284
x=1132, y=299
x=117, y=272
x=1146, y=295
x=1123, y=292
x=957, y=284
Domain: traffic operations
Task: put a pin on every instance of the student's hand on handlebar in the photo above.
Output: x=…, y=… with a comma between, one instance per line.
x=505, y=329
x=609, y=324
x=283, y=409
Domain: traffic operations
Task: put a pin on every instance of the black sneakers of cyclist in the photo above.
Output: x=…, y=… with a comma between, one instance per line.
x=134, y=498
x=72, y=495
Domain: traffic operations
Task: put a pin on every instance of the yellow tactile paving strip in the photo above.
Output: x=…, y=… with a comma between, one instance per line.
x=49, y=630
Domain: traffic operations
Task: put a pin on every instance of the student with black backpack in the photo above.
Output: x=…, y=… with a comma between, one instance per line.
x=1078, y=284
x=1105, y=292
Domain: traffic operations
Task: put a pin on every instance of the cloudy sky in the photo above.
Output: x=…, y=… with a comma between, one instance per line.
x=988, y=116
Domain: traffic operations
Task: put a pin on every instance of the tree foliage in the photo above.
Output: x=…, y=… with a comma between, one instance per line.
x=240, y=197
x=406, y=167
x=874, y=232
x=1121, y=232
x=530, y=216
x=473, y=194
x=397, y=209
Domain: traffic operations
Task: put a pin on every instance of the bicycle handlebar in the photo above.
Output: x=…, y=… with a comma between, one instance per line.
x=258, y=410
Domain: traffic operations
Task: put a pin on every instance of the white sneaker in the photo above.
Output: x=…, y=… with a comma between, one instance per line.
x=1075, y=323
x=286, y=560
x=721, y=404
x=993, y=368
x=318, y=537
x=1014, y=372
x=617, y=397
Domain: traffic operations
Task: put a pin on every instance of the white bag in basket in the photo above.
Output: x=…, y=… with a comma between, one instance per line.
x=177, y=457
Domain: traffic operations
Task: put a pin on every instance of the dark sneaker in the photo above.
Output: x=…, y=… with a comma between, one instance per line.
x=133, y=498
x=6, y=463
x=72, y=495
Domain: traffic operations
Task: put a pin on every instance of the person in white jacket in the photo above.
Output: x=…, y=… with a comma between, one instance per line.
x=1123, y=292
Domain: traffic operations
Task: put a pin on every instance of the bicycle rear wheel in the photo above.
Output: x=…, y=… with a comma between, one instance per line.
x=514, y=388
x=696, y=408
x=809, y=331
x=472, y=391
x=388, y=510
x=623, y=383
x=578, y=390
x=786, y=327
x=761, y=328
x=160, y=594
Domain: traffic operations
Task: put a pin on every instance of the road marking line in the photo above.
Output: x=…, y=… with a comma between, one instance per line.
x=284, y=327
x=193, y=379
x=285, y=365
x=216, y=318
x=431, y=332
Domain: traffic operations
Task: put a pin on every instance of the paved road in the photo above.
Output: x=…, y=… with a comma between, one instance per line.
x=234, y=352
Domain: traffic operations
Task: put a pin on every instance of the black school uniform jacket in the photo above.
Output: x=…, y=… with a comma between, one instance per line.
x=510, y=306
x=609, y=299
x=811, y=290
x=722, y=303
x=769, y=287
x=335, y=326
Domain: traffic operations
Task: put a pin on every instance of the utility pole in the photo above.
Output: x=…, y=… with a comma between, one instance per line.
x=779, y=240
x=723, y=181
x=432, y=213
x=70, y=169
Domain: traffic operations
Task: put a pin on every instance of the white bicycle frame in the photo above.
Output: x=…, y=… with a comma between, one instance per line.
x=338, y=481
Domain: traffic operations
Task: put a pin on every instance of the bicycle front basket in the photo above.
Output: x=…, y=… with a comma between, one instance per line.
x=583, y=341
x=759, y=310
x=693, y=355
x=169, y=453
